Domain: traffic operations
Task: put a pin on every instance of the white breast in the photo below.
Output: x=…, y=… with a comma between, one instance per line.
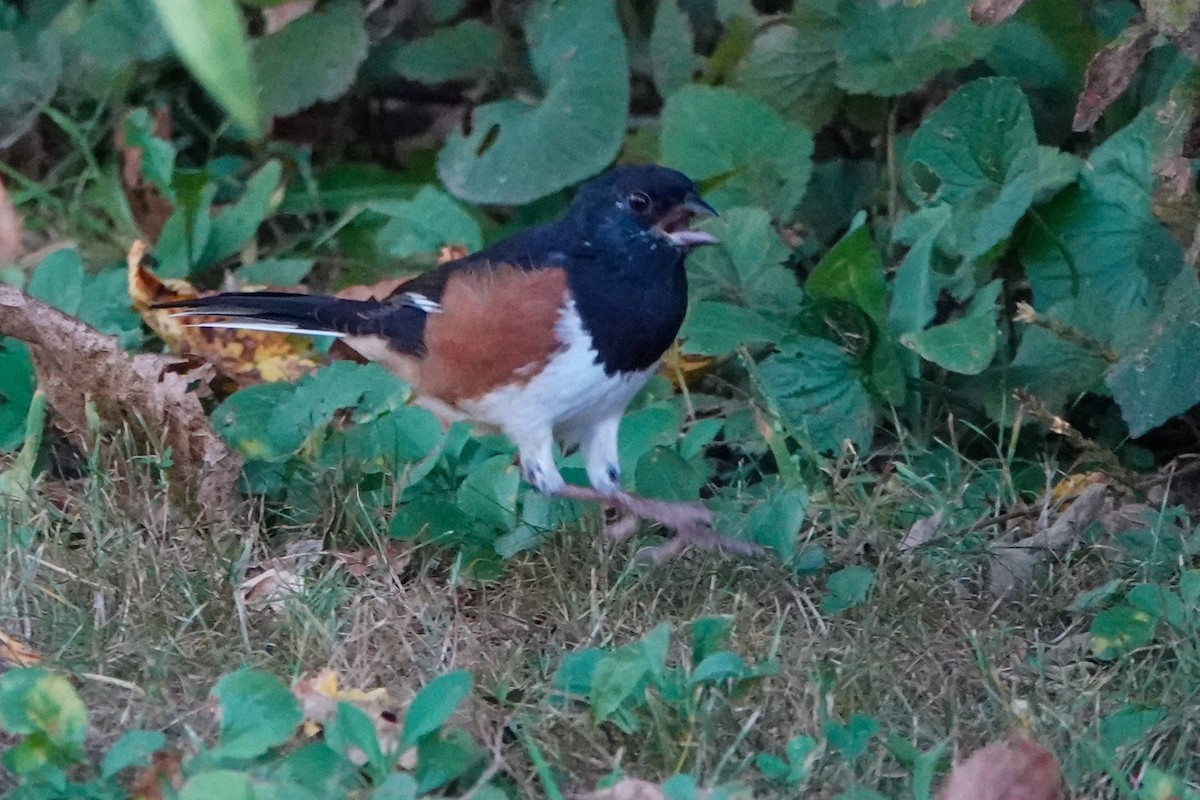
x=569, y=396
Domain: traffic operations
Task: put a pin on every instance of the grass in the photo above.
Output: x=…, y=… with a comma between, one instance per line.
x=107, y=582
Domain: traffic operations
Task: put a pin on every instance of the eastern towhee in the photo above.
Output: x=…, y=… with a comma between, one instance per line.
x=546, y=335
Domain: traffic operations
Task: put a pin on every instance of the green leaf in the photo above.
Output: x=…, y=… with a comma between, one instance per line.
x=916, y=285
x=847, y=588
x=663, y=474
x=776, y=521
x=618, y=676
x=852, y=272
x=672, y=58
x=221, y=784
x=17, y=479
x=891, y=49
x=709, y=635
x=814, y=387
x=424, y=224
x=1098, y=241
x=133, y=749
x=447, y=758
x=58, y=280
x=17, y=384
x=978, y=152
x=398, y=786
x=35, y=701
x=717, y=329
x=1119, y=630
x=273, y=272
x=489, y=492
x=741, y=149
x=257, y=713
x=1160, y=376
x=852, y=737
x=467, y=51
x=313, y=58
x=232, y=227
x=792, y=67
x=434, y=705
x=966, y=345
x=746, y=268
x=351, y=729
x=158, y=155
x=211, y=42
x=1124, y=727
x=718, y=667
x=578, y=53
x=29, y=77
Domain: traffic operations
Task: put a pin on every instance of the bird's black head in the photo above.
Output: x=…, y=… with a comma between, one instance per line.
x=647, y=205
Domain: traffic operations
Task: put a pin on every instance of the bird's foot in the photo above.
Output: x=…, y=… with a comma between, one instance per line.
x=691, y=523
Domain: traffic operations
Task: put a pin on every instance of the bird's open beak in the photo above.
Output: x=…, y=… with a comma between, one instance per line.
x=677, y=225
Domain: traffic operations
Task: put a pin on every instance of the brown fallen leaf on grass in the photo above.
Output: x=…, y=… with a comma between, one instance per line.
x=166, y=769
x=82, y=372
x=1109, y=73
x=271, y=583
x=15, y=653
x=244, y=357
x=1013, y=769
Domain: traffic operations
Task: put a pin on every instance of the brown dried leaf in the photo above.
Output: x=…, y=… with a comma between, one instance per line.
x=78, y=367
x=1014, y=769
x=375, y=291
x=993, y=12
x=1010, y=567
x=1110, y=71
x=320, y=694
x=359, y=563
x=11, y=245
x=244, y=357
x=149, y=208
x=15, y=653
x=684, y=369
x=922, y=531
x=452, y=252
x=165, y=769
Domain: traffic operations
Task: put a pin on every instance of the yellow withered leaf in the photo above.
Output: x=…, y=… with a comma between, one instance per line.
x=244, y=357
x=683, y=369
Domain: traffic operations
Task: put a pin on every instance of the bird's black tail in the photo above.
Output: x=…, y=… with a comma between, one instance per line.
x=286, y=312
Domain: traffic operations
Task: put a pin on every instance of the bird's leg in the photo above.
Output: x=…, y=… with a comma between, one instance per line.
x=692, y=523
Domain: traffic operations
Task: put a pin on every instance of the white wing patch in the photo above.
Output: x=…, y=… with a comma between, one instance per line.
x=420, y=301
x=268, y=327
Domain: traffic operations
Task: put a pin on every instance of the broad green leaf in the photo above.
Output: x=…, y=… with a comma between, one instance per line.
x=36, y=701
x=489, y=492
x=792, y=67
x=664, y=474
x=847, y=588
x=852, y=272
x=220, y=784
x=111, y=41
x=17, y=384
x=351, y=729
x=746, y=268
x=434, y=705
x=852, y=737
x=105, y=306
x=58, y=280
x=313, y=58
x=916, y=285
x=518, y=152
x=814, y=387
x=1098, y=240
x=709, y=635
x=978, y=152
x=776, y=521
x=424, y=224
x=672, y=58
x=467, y=51
x=274, y=272
x=1119, y=630
x=17, y=478
x=447, y=758
x=839, y=189
x=211, y=42
x=966, y=345
x=258, y=713
x=29, y=77
x=1159, y=376
x=618, y=676
x=741, y=150
x=232, y=227
x=891, y=49
x=718, y=667
x=133, y=749
x=398, y=786
x=717, y=329
x=1126, y=726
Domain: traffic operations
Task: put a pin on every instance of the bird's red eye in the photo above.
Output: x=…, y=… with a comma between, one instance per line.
x=639, y=202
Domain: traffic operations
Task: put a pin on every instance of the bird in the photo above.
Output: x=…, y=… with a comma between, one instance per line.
x=546, y=335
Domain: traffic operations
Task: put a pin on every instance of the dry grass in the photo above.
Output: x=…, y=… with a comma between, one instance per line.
x=148, y=616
